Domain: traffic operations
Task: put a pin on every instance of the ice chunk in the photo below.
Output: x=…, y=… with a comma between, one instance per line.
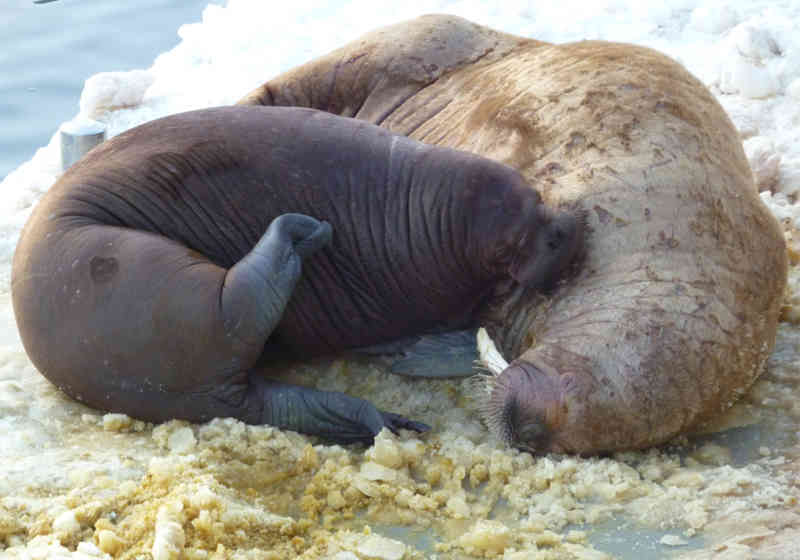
x=66, y=523
x=107, y=91
x=754, y=43
x=380, y=548
x=169, y=536
x=713, y=17
x=182, y=440
x=793, y=89
x=747, y=78
x=764, y=162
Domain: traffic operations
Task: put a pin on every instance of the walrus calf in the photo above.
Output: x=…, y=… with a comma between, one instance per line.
x=673, y=313
x=160, y=269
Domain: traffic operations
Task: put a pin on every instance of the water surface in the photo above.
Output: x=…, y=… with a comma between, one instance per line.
x=48, y=50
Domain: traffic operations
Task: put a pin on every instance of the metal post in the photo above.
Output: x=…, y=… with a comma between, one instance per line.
x=78, y=136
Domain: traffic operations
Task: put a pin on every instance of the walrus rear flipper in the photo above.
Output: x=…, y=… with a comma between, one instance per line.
x=332, y=415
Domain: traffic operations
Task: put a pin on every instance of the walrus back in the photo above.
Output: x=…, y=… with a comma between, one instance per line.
x=674, y=312
x=675, y=308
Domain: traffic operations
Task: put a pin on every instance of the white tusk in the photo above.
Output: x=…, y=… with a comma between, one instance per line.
x=488, y=353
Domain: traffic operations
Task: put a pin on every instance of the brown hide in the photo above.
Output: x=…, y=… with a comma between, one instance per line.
x=673, y=313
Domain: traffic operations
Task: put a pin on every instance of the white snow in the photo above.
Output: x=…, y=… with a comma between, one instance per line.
x=746, y=51
x=713, y=17
x=82, y=125
x=114, y=90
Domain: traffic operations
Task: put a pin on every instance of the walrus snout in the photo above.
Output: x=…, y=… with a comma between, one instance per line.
x=542, y=259
x=526, y=407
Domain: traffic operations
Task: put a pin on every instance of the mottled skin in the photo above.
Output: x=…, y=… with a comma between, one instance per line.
x=674, y=313
x=162, y=269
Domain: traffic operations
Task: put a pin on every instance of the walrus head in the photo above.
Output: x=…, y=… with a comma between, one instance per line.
x=529, y=403
x=541, y=257
x=521, y=237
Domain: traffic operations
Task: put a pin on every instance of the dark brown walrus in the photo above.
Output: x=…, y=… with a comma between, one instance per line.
x=673, y=315
x=163, y=268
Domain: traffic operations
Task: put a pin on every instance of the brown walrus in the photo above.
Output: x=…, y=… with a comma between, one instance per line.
x=673, y=315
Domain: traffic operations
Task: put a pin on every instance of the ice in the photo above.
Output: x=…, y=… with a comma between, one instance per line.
x=82, y=125
x=754, y=43
x=108, y=91
x=748, y=68
x=764, y=161
x=713, y=17
x=747, y=78
x=794, y=89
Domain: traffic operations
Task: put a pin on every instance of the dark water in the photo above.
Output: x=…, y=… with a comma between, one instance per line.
x=48, y=50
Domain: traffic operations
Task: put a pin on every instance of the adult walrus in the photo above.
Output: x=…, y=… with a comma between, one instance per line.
x=160, y=270
x=674, y=313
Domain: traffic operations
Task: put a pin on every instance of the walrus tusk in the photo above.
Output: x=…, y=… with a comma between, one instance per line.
x=489, y=355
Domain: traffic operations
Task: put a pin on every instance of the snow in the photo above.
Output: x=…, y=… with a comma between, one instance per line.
x=746, y=51
x=82, y=125
x=107, y=91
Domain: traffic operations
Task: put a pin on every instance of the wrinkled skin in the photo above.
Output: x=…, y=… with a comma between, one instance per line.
x=674, y=313
x=163, y=270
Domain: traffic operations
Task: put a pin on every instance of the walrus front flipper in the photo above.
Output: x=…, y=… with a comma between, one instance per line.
x=446, y=354
x=331, y=415
x=258, y=287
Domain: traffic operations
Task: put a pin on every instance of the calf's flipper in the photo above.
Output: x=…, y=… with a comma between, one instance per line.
x=257, y=288
x=331, y=415
x=439, y=355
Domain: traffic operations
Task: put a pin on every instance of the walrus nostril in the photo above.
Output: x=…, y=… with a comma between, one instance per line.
x=533, y=437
